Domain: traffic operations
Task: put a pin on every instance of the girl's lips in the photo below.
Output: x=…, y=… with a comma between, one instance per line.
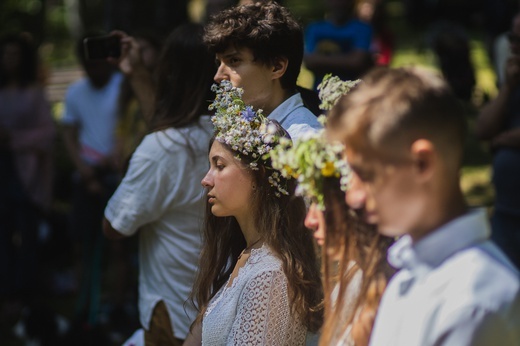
x=211, y=199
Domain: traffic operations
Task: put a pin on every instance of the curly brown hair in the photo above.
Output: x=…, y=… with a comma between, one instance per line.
x=281, y=223
x=267, y=28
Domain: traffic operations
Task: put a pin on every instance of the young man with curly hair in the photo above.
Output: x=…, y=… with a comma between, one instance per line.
x=259, y=47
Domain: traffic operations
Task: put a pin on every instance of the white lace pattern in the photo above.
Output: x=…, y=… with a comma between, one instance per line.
x=254, y=310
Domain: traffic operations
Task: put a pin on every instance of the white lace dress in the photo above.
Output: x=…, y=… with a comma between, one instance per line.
x=254, y=310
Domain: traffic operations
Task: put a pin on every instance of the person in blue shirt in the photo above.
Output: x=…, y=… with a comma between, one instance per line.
x=340, y=44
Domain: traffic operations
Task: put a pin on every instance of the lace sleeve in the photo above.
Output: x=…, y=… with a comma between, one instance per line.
x=263, y=314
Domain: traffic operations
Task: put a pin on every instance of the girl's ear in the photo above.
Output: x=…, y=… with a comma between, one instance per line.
x=279, y=67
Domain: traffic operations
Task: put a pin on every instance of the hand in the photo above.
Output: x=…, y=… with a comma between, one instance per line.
x=130, y=59
x=513, y=71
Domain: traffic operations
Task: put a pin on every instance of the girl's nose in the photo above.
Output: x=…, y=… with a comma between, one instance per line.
x=206, y=182
x=311, y=219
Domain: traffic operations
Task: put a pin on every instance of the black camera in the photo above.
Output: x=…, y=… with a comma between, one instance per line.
x=102, y=47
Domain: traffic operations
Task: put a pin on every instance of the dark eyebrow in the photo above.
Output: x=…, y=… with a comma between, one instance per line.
x=215, y=158
x=231, y=54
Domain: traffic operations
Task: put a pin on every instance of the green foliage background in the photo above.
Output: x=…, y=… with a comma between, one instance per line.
x=54, y=24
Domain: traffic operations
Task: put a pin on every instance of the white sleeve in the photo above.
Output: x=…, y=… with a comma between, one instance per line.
x=142, y=197
x=478, y=327
x=263, y=314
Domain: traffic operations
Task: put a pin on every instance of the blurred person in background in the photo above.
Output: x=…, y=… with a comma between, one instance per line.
x=383, y=41
x=499, y=125
x=451, y=44
x=133, y=123
x=89, y=122
x=340, y=44
x=27, y=133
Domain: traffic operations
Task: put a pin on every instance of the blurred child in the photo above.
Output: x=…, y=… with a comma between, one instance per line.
x=404, y=133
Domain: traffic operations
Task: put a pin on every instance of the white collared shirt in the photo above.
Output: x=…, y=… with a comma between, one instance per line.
x=455, y=287
x=160, y=198
x=295, y=117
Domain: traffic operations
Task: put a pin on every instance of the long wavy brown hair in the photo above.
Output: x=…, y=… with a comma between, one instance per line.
x=280, y=220
x=351, y=245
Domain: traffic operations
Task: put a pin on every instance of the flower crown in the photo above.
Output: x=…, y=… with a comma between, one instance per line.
x=313, y=158
x=246, y=131
x=332, y=88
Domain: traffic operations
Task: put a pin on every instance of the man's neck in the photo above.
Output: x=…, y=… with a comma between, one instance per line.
x=276, y=99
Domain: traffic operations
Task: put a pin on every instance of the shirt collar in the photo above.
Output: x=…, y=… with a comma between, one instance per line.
x=286, y=107
x=429, y=252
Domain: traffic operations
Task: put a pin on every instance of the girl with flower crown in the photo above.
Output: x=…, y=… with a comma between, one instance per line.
x=355, y=270
x=258, y=280
x=354, y=264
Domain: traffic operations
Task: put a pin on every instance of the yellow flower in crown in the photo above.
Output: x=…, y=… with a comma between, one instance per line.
x=328, y=169
x=246, y=131
x=289, y=171
x=310, y=160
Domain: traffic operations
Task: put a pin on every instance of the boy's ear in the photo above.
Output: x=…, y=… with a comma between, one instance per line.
x=279, y=67
x=424, y=155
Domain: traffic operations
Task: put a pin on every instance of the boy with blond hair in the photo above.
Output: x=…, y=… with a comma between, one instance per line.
x=404, y=132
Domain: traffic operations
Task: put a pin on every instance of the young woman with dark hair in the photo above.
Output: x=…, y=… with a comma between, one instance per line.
x=258, y=281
